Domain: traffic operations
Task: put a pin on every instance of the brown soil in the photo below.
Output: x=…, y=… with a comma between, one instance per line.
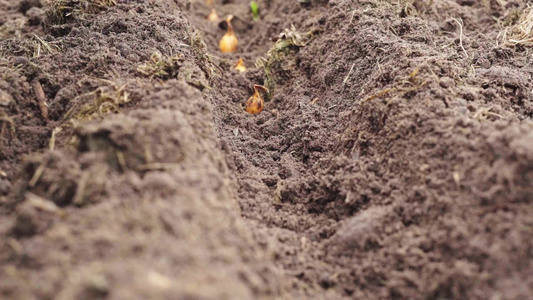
x=393, y=159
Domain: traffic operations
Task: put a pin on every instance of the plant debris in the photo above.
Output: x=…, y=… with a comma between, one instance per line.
x=6, y=122
x=104, y=100
x=289, y=40
x=41, y=98
x=520, y=33
x=58, y=11
x=41, y=46
x=161, y=67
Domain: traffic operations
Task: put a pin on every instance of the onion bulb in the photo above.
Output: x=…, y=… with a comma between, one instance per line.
x=254, y=105
x=228, y=43
x=212, y=17
x=240, y=66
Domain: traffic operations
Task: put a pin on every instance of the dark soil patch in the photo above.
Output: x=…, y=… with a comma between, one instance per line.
x=393, y=159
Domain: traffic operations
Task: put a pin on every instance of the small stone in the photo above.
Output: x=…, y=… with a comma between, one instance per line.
x=26, y=5
x=446, y=82
x=326, y=281
x=5, y=186
x=20, y=61
x=96, y=286
x=5, y=99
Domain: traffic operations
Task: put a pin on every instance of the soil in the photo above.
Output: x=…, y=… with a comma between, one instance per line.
x=393, y=158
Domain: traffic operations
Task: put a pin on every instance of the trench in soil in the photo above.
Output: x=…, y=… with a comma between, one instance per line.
x=392, y=159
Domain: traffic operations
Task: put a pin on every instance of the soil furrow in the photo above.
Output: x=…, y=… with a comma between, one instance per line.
x=374, y=147
x=393, y=158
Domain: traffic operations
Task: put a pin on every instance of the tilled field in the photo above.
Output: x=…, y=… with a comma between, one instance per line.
x=393, y=158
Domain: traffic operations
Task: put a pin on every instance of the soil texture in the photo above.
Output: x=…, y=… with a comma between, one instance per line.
x=393, y=158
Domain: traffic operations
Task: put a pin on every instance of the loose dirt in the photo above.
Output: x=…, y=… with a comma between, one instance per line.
x=393, y=158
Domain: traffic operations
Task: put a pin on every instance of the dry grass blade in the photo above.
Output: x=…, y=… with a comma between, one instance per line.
x=161, y=67
x=59, y=10
x=416, y=80
x=104, y=100
x=41, y=98
x=484, y=112
x=520, y=33
x=348, y=76
x=6, y=122
x=40, y=45
x=52, y=142
x=461, y=36
x=42, y=204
